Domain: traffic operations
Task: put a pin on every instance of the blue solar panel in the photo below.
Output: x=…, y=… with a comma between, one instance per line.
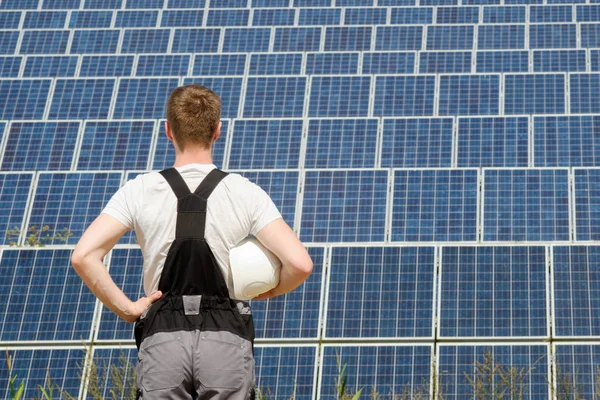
x=354, y=3
x=528, y=204
x=103, y=41
x=44, y=297
x=590, y=35
x=115, y=145
x=164, y=153
x=296, y=314
x=108, y=361
x=81, y=98
x=91, y=19
x=270, y=3
x=19, y=4
x=583, y=95
x=365, y=16
x=102, y=4
x=163, y=65
x=368, y=298
x=40, y=146
x=273, y=17
x=388, y=63
x=344, y=206
x=196, y=40
x=275, y=64
x=311, y=3
x=178, y=18
x=550, y=14
x=71, y=201
x=14, y=196
x=144, y=3
x=248, y=40
x=399, y=38
x=457, y=15
x=459, y=363
x=587, y=199
x=576, y=369
x=595, y=60
x=534, y=94
x=508, y=2
x=415, y=15
x=502, y=61
x=265, y=144
x=284, y=373
x=219, y=64
x=559, y=36
x=444, y=62
x=341, y=143
x=469, y=95
x=44, y=42
x=493, y=142
x=450, y=37
x=10, y=19
x=106, y=66
x=136, y=19
x=228, y=89
x=404, y=95
x=504, y=15
x=145, y=40
x=44, y=20
x=416, y=142
x=32, y=366
x=559, y=60
x=60, y=4
x=8, y=41
x=143, y=97
x=388, y=371
x=50, y=66
x=493, y=292
x=434, y=205
x=350, y=38
x=339, y=96
x=492, y=37
x=588, y=13
x=576, y=284
x=10, y=66
x=567, y=141
x=186, y=3
x=228, y=17
x=331, y=63
x=27, y=98
x=228, y=4
x=320, y=16
x=297, y=39
x=275, y=97
x=126, y=270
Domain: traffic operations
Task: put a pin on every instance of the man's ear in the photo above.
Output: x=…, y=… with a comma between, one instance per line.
x=169, y=132
x=217, y=132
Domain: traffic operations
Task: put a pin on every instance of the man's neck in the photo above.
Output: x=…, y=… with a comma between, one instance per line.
x=193, y=155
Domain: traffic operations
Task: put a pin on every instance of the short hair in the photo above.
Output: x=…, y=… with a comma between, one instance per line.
x=194, y=113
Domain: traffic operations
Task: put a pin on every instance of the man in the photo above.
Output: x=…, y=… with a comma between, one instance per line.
x=194, y=340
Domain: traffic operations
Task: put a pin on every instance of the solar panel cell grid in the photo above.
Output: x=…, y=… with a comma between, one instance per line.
x=106, y=66
x=44, y=20
x=413, y=15
x=444, y=62
x=228, y=17
x=163, y=65
x=144, y=4
x=312, y=3
x=246, y=40
x=557, y=36
x=398, y=3
x=228, y=3
x=457, y=15
x=269, y=3
x=136, y=19
x=10, y=19
x=274, y=17
x=404, y=95
x=576, y=366
x=502, y=61
x=534, y=94
x=81, y=98
x=494, y=37
x=352, y=38
x=550, y=14
x=102, y=4
x=331, y=63
x=399, y=38
x=297, y=39
x=365, y=16
x=181, y=18
x=60, y=4
x=587, y=200
x=219, y=64
x=28, y=98
x=388, y=63
x=145, y=40
x=588, y=13
x=197, y=40
x=342, y=96
x=584, y=88
x=504, y=15
x=319, y=16
x=95, y=41
x=44, y=42
x=590, y=35
x=91, y=19
x=123, y=358
x=10, y=66
x=19, y=4
x=469, y=95
x=143, y=98
x=186, y=3
x=275, y=97
x=14, y=198
x=50, y=66
x=559, y=60
x=450, y=37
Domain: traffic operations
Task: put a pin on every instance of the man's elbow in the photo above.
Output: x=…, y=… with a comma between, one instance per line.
x=303, y=266
x=78, y=259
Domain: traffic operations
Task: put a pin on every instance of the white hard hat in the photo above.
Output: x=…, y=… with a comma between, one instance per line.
x=254, y=269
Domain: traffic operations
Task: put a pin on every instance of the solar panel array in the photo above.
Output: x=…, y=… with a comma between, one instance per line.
x=438, y=157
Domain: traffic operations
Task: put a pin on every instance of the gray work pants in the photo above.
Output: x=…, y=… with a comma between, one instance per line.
x=195, y=365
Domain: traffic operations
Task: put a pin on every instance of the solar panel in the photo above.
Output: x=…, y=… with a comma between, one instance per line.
x=504, y=14
x=228, y=17
x=411, y=15
x=434, y=205
x=275, y=97
x=103, y=41
x=164, y=153
x=102, y=4
x=273, y=17
x=586, y=204
x=60, y=4
x=495, y=37
x=534, y=94
x=583, y=93
x=388, y=63
x=145, y=40
x=380, y=292
x=228, y=4
x=284, y=372
x=40, y=146
x=257, y=144
x=275, y=64
x=31, y=366
x=404, y=95
x=186, y=3
x=270, y=3
x=296, y=314
x=469, y=95
x=181, y=18
x=50, y=66
x=365, y=16
x=396, y=3
x=444, y=62
x=384, y=370
x=19, y=4
x=348, y=38
x=399, y=38
x=493, y=142
x=354, y=3
x=297, y=39
x=550, y=14
x=228, y=89
x=219, y=64
x=341, y=143
x=163, y=65
x=281, y=186
x=311, y=3
x=502, y=61
x=10, y=66
x=115, y=369
x=44, y=19
x=10, y=19
x=90, y=19
x=246, y=40
x=106, y=66
x=331, y=63
x=528, y=204
x=14, y=198
x=549, y=36
x=450, y=37
x=527, y=363
x=144, y=3
x=344, y=206
x=319, y=16
x=44, y=42
x=28, y=98
x=416, y=142
x=588, y=13
x=69, y=202
x=595, y=60
x=136, y=18
x=44, y=297
x=457, y=15
x=590, y=35
x=559, y=60
x=8, y=42
x=196, y=40
x=143, y=98
x=330, y=96
x=81, y=98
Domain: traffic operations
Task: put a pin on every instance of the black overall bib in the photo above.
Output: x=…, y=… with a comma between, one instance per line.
x=195, y=309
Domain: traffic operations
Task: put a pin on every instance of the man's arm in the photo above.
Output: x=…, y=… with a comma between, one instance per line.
x=102, y=235
x=296, y=264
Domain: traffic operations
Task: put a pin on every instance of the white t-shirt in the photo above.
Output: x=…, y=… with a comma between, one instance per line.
x=236, y=209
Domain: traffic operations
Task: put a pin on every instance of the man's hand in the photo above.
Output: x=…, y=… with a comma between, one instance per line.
x=137, y=308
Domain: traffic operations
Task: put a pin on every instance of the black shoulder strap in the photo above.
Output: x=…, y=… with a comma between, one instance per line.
x=209, y=183
x=176, y=182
